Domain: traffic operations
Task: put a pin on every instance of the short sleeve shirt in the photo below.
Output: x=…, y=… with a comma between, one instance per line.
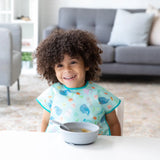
x=89, y=103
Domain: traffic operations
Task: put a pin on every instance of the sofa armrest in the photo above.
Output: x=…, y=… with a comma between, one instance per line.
x=47, y=31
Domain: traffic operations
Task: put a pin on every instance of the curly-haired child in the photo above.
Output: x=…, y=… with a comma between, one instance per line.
x=69, y=61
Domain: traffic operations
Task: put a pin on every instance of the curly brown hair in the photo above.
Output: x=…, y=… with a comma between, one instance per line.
x=74, y=43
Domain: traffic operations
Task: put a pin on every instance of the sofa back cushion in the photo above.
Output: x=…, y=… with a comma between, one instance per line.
x=97, y=21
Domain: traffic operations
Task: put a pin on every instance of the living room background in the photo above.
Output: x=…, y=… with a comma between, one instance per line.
x=141, y=113
x=48, y=9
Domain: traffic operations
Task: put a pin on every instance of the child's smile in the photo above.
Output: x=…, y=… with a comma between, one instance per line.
x=71, y=72
x=70, y=78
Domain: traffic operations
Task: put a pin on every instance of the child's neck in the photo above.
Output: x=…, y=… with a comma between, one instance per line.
x=86, y=83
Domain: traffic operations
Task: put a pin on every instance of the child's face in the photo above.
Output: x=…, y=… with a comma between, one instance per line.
x=71, y=72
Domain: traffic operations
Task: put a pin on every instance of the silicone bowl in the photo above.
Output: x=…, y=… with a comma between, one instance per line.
x=81, y=133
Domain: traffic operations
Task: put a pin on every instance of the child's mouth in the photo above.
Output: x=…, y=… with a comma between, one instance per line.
x=70, y=78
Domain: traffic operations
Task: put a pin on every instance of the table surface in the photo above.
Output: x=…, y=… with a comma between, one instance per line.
x=37, y=146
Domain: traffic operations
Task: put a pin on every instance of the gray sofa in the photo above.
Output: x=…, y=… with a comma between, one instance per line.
x=120, y=60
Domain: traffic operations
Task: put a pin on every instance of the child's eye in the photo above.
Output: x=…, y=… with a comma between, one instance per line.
x=73, y=62
x=59, y=65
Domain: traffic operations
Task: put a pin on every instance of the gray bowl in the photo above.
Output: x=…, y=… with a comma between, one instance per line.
x=78, y=134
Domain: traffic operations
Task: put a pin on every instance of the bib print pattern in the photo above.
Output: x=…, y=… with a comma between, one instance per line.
x=86, y=104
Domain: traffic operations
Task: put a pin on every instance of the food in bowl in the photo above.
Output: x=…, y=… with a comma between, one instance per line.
x=80, y=132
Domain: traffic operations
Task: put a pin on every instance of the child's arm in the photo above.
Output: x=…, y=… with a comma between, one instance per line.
x=45, y=120
x=113, y=123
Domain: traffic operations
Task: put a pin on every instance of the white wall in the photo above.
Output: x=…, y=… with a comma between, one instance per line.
x=48, y=9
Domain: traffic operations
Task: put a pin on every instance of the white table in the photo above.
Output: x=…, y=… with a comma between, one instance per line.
x=47, y=146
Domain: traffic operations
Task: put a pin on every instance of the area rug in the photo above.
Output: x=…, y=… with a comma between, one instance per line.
x=141, y=107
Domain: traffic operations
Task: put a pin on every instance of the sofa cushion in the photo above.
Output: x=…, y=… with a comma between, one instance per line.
x=131, y=29
x=155, y=29
x=108, y=53
x=138, y=55
x=130, y=69
x=97, y=21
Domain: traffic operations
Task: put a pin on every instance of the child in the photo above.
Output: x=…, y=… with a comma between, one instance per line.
x=69, y=61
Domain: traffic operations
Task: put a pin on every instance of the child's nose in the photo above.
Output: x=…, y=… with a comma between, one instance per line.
x=68, y=68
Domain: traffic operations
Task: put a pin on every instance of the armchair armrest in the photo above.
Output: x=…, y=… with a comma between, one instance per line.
x=48, y=30
x=16, y=32
x=5, y=46
x=5, y=56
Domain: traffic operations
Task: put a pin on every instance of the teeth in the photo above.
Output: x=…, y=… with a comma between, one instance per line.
x=69, y=77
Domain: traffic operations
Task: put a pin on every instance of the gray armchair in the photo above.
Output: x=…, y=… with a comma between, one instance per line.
x=10, y=55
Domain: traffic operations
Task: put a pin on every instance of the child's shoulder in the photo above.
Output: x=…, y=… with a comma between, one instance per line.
x=96, y=85
x=99, y=88
x=56, y=86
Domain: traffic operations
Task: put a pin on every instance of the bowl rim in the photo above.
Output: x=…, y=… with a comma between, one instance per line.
x=88, y=123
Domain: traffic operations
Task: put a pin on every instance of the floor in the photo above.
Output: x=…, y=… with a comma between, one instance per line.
x=141, y=108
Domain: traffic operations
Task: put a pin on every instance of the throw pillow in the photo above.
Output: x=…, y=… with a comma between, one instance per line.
x=154, y=38
x=131, y=29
